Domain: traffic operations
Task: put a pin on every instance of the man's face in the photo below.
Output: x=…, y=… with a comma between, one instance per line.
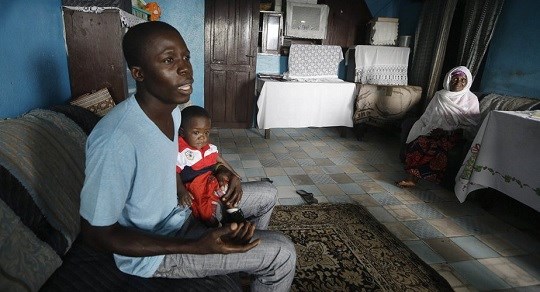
x=166, y=68
x=197, y=132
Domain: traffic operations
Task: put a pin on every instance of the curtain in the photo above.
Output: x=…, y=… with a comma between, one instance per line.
x=430, y=45
x=479, y=22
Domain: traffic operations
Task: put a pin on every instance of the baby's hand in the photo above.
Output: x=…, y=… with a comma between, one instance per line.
x=185, y=199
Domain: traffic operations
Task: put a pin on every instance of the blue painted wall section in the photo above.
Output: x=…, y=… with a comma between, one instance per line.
x=33, y=61
x=513, y=60
x=386, y=8
x=271, y=64
x=188, y=17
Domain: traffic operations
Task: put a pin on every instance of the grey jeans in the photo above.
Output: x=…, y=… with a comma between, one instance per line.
x=272, y=262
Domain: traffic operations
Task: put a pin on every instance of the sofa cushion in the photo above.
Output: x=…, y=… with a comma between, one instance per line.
x=85, y=269
x=99, y=102
x=81, y=116
x=25, y=261
x=44, y=150
x=13, y=194
x=499, y=102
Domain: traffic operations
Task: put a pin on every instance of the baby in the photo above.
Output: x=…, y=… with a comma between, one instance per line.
x=197, y=162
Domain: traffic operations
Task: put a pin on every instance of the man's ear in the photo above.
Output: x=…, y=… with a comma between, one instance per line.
x=137, y=73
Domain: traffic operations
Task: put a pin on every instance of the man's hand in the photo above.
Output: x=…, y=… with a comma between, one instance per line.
x=227, y=239
x=185, y=198
x=234, y=192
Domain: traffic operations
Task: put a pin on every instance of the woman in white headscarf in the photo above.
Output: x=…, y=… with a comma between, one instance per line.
x=451, y=111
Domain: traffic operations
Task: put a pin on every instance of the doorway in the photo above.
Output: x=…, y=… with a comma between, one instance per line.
x=231, y=31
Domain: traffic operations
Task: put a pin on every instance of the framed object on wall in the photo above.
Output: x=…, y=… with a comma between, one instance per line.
x=272, y=27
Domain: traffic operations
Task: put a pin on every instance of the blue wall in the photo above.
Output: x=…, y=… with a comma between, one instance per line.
x=188, y=17
x=33, y=62
x=513, y=60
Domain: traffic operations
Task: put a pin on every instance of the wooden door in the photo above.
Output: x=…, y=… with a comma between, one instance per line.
x=231, y=31
x=346, y=22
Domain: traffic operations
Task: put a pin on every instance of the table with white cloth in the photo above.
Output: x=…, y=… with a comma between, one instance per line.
x=504, y=156
x=293, y=104
x=381, y=65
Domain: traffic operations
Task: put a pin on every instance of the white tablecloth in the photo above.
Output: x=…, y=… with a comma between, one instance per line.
x=289, y=104
x=505, y=156
x=381, y=65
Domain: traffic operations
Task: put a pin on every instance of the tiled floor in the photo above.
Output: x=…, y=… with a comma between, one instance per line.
x=476, y=248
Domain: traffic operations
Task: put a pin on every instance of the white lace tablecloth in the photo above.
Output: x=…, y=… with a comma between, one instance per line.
x=290, y=104
x=381, y=65
x=504, y=156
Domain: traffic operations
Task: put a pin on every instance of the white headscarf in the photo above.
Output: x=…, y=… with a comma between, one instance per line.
x=449, y=110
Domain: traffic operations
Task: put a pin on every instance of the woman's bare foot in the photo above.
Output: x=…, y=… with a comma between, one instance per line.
x=406, y=184
x=409, y=182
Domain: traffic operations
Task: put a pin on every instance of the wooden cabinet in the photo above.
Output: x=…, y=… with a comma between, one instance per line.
x=347, y=22
x=94, y=46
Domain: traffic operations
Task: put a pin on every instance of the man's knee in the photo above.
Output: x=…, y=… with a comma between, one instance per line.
x=283, y=249
x=269, y=194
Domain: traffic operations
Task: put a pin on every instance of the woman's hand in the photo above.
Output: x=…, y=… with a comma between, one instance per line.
x=234, y=191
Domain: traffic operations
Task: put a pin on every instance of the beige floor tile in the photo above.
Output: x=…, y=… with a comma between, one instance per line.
x=265, y=156
x=464, y=289
x=407, y=198
x=448, y=227
x=349, y=168
x=402, y=213
x=501, y=245
x=509, y=272
x=400, y=231
x=456, y=209
x=330, y=190
x=450, y=275
x=365, y=200
x=274, y=171
x=371, y=187
x=323, y=162
x=313, y=170
x=341, y=178
x=450, y=251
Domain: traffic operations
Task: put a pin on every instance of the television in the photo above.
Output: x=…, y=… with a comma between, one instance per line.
x=307, y=21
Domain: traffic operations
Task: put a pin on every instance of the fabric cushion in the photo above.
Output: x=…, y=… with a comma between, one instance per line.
x=25, y=261
x=44, y=150
x=495, y=101
x=83, y=117
x=14, y=195
x=99, y=102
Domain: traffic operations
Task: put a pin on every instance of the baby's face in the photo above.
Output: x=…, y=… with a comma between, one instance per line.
x=197, y=133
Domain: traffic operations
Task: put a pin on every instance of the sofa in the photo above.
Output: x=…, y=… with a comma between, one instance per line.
x=487, y=102
x=42, y=171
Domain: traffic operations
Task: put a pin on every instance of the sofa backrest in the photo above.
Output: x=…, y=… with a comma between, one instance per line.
x=42, y=169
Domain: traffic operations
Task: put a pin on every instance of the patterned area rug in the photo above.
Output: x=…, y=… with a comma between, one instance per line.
x=341, y=247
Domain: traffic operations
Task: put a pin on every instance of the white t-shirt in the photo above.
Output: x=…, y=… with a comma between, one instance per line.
x=131, y=179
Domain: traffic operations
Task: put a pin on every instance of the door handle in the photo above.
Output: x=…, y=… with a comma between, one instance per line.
x=250, y=56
